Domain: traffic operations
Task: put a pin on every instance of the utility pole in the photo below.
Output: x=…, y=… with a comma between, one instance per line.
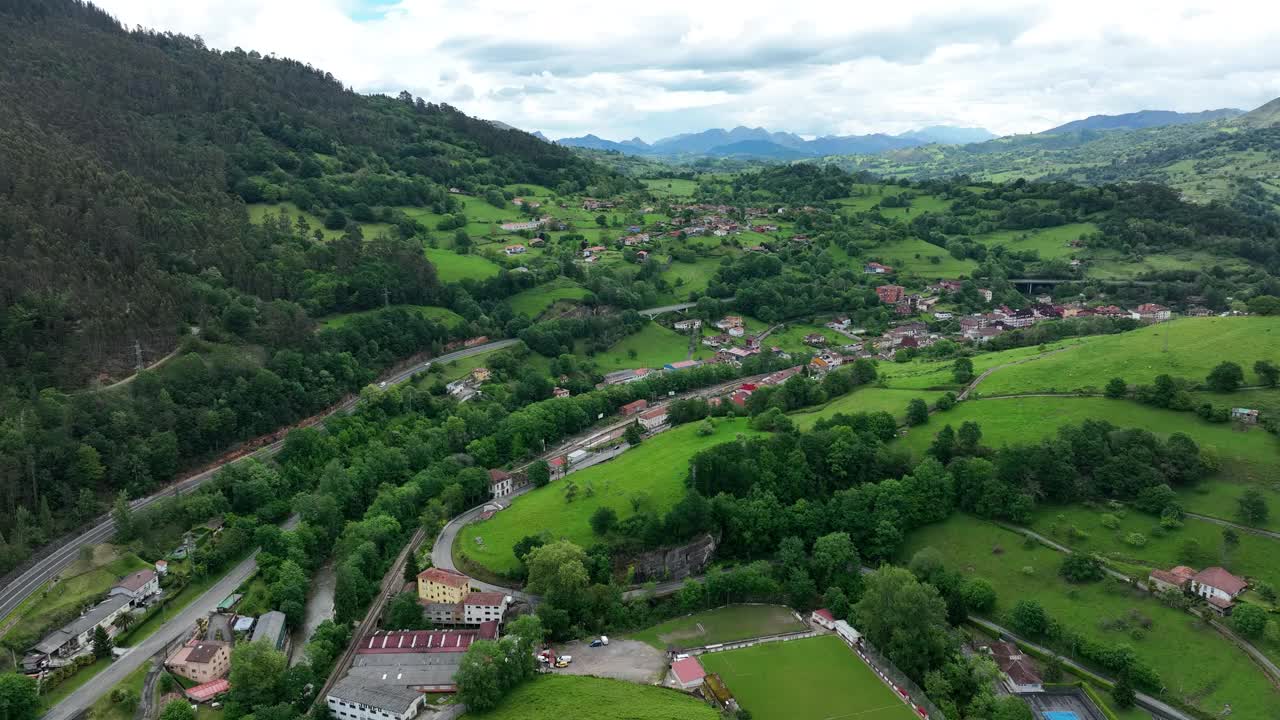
x=137, y=354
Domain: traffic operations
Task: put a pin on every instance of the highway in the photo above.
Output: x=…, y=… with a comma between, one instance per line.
x=45, y=569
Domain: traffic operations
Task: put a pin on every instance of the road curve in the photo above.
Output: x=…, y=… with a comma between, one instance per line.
x=46, y=568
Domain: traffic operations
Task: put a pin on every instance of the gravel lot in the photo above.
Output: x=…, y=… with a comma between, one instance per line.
x=629, y=660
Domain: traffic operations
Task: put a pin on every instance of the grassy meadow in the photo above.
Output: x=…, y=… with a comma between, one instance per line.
x=82, y=581
x=452, y=267
x=1253, y=558
x=1220, y=675
x=535, y=301
x=560, y=697
x=1051, y=243
x=817, y=678
x=653, y=474
x=1195, y=346
x=725, y=624
x=652, y=347
x=866, y=400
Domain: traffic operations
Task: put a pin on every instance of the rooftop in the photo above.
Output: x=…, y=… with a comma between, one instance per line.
x=688, y=670
x=484, y=598
x=393, y=698
x=209, y=690
x=1221, y=579
x=418, y=641
x=444, y=577
x=270, y=627
x=135, y=581
x=56, y=639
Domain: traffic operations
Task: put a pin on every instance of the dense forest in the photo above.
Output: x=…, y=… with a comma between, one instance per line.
x=125, y=233
x=124, y=181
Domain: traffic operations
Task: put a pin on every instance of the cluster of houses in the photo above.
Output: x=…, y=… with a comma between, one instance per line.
x=468, y=386
x=204, y=658
x=393, y=672
x=61, y=647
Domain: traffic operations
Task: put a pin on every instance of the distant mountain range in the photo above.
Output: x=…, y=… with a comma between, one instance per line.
x=743, y=142
x=1210, y=155
x=1142, y=119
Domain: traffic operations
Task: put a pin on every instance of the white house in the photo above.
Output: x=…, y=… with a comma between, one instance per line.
x=822, y=617
x=480, y=607
x=138, y=586
x=653, y=418
x=1219, y=587
x=500, y=483
x=688, y=325
x=76, y=636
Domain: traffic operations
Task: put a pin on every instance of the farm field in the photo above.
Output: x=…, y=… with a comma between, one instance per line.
x=868, y=400
x=452, y=267
x=653, y=473
x=1195, y=346
x=534, y=301
x=439, y=314
x=458, y=368
x=922, y=373
x=1254, y=558
x=1111, y=264
x=670, y=187
x=909, y=256
x=813, y=679
x=1218, y=498
x=561, y=697
x=726, y=624
x=652, y=347
x=1013, y=420
x=694, y=276
x=1220, y=675
x=1050, y=242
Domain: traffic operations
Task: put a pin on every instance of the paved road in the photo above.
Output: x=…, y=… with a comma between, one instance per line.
x=18, y=588
x=97, y=686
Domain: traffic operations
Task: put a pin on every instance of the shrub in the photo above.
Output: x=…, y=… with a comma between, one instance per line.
x=1135, y=539
x=1081, y=568
x=1109, y=521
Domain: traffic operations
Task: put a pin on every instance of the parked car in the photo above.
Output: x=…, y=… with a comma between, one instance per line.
x=596, y=643
x=604, y=639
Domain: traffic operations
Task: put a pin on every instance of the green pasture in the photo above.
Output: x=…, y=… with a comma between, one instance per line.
x=1051, y=243
x=451, y=267
x=534, y=301
x=652, y=347
x=561, y=697
x=1019, y=570
x=867, y=400
x=438, y=314
x=652, y=475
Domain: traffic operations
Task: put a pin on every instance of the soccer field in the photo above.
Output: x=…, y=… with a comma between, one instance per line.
x=814, y=679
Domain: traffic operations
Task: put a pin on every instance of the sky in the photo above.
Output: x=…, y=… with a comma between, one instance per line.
x=662, y=67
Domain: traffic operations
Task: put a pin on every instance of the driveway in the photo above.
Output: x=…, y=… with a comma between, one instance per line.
x=629, y=660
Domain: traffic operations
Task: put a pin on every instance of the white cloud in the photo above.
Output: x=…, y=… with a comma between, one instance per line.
x=666, y=66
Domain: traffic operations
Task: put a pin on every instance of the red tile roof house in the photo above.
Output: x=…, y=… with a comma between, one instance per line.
x=1020, y=674
x=823, y=618
x=1175, y=579
x=632, y=408
x=686, y=674
x=1219, y=587
x=208, y=691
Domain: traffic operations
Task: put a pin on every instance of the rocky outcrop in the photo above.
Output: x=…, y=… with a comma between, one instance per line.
x=674, y=563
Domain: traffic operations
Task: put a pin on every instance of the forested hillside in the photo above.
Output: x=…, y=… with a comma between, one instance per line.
x=127, y=154
x=126, y=162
